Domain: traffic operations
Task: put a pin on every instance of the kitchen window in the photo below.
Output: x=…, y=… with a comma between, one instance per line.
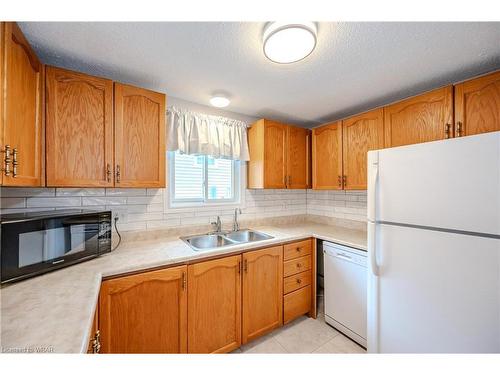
x=199, y=180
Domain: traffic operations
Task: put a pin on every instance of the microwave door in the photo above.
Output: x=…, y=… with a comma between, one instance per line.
x=78, y=238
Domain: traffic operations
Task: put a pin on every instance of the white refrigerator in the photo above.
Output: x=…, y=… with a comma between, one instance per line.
x=434, y=247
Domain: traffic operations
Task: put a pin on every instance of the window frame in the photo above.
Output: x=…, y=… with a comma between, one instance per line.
x=237, y=183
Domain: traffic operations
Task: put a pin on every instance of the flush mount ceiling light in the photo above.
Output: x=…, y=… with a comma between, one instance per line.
x=219, y=101
x=286, y=43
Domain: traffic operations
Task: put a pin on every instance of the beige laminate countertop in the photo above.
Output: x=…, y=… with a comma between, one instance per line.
x=56, y=310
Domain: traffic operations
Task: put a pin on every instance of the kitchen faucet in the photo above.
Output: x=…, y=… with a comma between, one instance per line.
x=236, y=225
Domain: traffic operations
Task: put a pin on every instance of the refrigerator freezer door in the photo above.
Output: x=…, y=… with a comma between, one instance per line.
x=451, y=184
x=436, y=293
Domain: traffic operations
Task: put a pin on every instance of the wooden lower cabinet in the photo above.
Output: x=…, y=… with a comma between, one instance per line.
x=262, y=292
x=145, y=313
x=299, y=270
x=214, y=305
x=296, y=303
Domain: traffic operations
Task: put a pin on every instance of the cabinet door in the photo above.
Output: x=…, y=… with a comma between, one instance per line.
x=21, y=81
x=360, y=134
x=262, y=292
x=423, y=118
x=298, y=160
x=139, y=137
x=79, y=129
x=214, y=306
x=327, y=157
x=477, y=105
x=145, y=313
x=274, y=155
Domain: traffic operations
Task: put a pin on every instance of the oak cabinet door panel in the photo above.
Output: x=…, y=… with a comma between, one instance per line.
x=298, y=159
x=145, y=313
x=361, y=134
x=262, y=292
x=477, y=105
x=21, y=78
x=139, y=137
x=274, y=155
x=214, y=305
x=327, y=157
x=423, y=118
x=79, y=129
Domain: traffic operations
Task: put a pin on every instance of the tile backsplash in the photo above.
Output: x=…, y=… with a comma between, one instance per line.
x=339, y=204
x=146, y=209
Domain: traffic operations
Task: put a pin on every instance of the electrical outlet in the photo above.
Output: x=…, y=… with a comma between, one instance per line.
x=121, y=215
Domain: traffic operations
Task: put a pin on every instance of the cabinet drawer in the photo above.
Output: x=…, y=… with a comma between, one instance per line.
x=296, y=304
x=297, y=249
x=297, y=281
x=297, y=265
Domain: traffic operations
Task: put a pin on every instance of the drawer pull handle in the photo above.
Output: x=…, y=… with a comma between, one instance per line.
x=299, y=281
x=298, y=249
x=299, y=265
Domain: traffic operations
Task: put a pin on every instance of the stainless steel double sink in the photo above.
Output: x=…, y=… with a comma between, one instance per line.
x=217, y=240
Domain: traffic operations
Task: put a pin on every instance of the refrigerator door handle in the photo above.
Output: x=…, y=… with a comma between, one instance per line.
x=372, y=184
x=372, y=248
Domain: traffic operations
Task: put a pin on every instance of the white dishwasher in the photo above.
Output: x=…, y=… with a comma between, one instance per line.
x=345, y=290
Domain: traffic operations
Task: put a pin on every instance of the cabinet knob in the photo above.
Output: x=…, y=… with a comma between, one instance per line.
x=299, y=281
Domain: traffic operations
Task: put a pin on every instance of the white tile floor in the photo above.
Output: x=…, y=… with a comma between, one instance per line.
x=304, y=335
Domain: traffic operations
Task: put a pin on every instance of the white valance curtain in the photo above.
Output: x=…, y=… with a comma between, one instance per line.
x=200, y=134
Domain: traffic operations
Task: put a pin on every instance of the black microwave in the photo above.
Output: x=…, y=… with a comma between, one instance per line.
x=37, y=242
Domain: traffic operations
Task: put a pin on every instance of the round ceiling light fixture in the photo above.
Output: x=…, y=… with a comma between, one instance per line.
x=286, y=43
x=219, y=101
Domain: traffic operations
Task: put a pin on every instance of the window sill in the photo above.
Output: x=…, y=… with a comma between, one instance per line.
x=191, y=205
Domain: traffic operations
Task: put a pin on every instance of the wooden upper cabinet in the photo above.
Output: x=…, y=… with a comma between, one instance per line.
x=267, y=165
x=298, y=158
x=145, y=313
x=139, y=137
x=327, y=156
x=214, y=305
x=360, y=134
x=477, y=105
x=423, y=118
x=21, y=78
x=262, y=292
x=79, y=129
x=279, y=156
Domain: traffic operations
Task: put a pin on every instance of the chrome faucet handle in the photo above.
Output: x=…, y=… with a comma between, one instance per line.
x=217, y=224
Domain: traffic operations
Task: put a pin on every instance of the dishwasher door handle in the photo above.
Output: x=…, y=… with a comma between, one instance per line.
x=344, y=256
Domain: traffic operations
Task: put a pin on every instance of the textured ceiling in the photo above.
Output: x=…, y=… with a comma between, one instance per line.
x=355, y=66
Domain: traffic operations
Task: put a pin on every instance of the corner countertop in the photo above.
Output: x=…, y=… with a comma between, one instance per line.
x=55, y=311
